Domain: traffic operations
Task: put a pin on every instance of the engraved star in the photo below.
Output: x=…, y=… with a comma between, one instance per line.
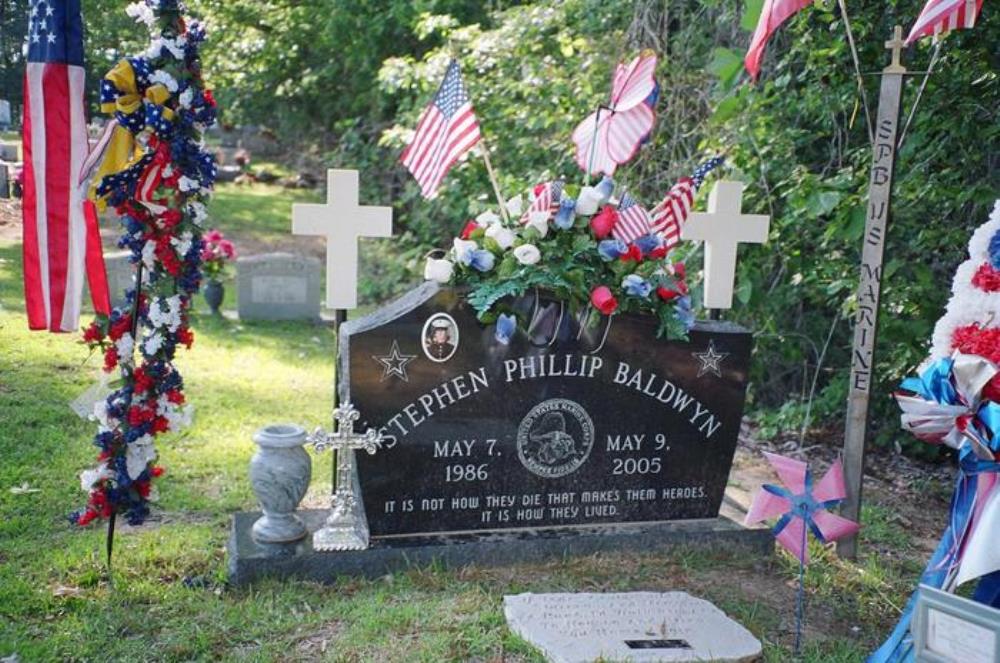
x=395, y=363
x=710, y=360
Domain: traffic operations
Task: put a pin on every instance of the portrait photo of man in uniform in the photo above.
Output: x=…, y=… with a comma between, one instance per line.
x=440, y=337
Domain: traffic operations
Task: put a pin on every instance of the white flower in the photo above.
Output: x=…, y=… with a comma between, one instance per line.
x=182, y=243
x=198, y=212
x=187, y=96
x=539, y=221
x=179, y=418
x=588, y=201
x=166, y=312
x=527, y=254
x=463, y=248
x=515, y=205
x=142, y=13
x=149, y=256
x=89, y=477
x=504, y=237
x=164, y=79
x=439, y=270
x=152, y=343
x=186, y=184
x=138, y=454
x=487, y=218
x=124, y=346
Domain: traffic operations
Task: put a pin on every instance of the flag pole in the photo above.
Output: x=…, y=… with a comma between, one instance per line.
x=857, y=70
x=920, y=93
x=493, y=178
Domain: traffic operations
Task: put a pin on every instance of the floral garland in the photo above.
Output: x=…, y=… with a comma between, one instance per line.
x=565, y=245
x=157, y=176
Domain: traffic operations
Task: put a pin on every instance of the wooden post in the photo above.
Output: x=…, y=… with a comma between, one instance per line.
x=870, y=286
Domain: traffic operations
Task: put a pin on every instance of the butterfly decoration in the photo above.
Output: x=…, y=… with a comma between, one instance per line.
x=611, y=135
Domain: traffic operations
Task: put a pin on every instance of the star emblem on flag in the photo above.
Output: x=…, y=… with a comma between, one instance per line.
x=711, y=360
x=394, y=363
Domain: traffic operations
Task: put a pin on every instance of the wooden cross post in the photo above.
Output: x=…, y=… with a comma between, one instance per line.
x=870, y=285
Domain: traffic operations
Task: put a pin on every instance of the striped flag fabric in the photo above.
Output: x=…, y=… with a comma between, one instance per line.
x=547, y=197
x=633, y=220
x=447, y=129
x=668, y=217
x=61, y=238
x=772, y=15
x=940, y=17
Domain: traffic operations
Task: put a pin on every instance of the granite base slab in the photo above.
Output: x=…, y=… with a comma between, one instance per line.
x=250, y=561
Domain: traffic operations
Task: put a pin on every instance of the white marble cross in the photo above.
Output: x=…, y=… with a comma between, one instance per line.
x=341, y=220
x=723, y=228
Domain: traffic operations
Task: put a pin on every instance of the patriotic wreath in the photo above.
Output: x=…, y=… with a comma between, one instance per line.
x=586, y=245
x=157, y=176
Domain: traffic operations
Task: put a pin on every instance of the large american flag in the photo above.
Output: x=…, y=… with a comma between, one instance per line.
x=942, y=16
x=547, y=197
x=633, y=220
x=61, y=242
x=672, y=212
x=447, y=129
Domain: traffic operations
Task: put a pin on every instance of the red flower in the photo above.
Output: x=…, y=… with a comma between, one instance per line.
x=227, y=249
x=161, y=425
x=987, y=278
x=213, y=236
x=120, y=327
x=171, y=217
x=604, y=222
x=93, y=333
x=185, y=337
x=142, y=487
x=86, y=517
x=680, y=270
x=658, y=253
x=175, y=396
x=209, y=99
x=156, y=471
x=634, y=254
x=110, y=359
x=603, y=300
x=142, y=381
x=470, y=227
x=667, y=294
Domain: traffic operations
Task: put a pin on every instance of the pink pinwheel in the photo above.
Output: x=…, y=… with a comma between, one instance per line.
x=611, y=135
x=800, y=504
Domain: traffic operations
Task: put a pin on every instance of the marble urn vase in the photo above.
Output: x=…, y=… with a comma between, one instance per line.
x=279, y=474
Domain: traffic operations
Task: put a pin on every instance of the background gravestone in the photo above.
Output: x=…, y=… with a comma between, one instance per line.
x=5, y=117
x=120, y=272
x=8, y=152
x=4, y=180
x=278, y=286
x=566, y=425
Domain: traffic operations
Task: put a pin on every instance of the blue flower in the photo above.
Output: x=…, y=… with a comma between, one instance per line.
x=506, y=326
x=612, y=249
x=481, y=259
x=648, y=243
x=606, y=187
x=636, y=286
x=684, y=312
x=566, y=214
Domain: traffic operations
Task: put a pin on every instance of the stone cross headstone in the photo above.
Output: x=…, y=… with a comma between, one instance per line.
x=341, y=220
x=569, y=424
x=278, y=286
x=870, y=284
x=639, y=627
x=723, y=228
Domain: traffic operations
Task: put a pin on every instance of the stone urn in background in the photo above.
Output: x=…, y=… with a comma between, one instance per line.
x=214, y=293
x=279, y=474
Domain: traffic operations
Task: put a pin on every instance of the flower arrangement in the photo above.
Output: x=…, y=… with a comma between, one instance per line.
x=216, y=255
x=157, y=177
x=567, y=248
x=589, y=247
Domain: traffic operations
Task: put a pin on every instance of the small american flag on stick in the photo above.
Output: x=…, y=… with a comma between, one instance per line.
x=547, y=197
x=447, y=129
x=943, y=16
x=633, y=220
x=673, y=210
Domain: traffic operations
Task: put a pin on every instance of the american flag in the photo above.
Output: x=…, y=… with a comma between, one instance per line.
x=943, y=16
x=633, y=220
x=772, y=15
x=547, y=197
x=61, y=242
x=447, y=129
x=673, y=210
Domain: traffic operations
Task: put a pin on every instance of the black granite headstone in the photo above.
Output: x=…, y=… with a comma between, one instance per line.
x=568, y=424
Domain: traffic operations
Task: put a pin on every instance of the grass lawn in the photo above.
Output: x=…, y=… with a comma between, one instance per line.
x=170, y=601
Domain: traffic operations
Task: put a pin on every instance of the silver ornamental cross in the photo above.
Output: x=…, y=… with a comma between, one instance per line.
x=346, y=528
